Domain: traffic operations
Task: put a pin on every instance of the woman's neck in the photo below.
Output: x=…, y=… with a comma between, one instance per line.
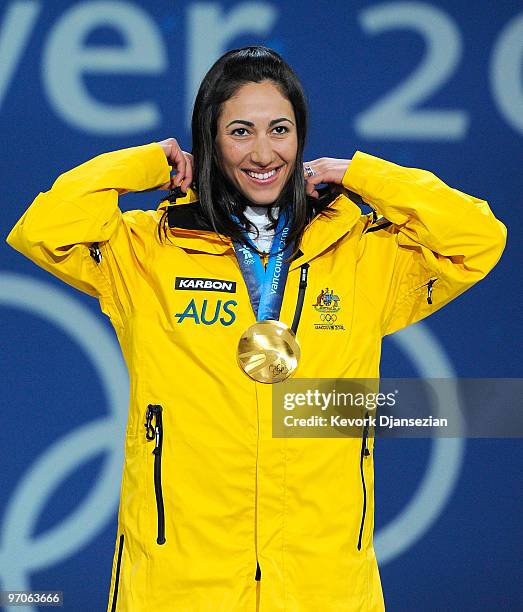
x=258, y=216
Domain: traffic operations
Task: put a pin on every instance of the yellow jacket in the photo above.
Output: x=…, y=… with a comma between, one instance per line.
x=223, y=517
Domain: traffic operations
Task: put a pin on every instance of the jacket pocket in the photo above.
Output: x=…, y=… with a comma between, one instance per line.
x=365, y=452
x=117, y=577
x=154, y=411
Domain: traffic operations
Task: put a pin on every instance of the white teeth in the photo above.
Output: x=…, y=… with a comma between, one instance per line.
x=261, y=177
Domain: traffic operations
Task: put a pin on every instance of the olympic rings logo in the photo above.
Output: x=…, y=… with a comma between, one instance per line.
x=328, y=318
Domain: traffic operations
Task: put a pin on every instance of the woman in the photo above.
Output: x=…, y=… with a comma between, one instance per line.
x=216, y=514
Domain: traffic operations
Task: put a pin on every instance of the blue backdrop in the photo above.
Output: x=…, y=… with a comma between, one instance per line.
x=436, y=85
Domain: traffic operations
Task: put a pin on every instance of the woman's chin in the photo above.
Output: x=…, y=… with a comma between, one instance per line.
x=259, y=199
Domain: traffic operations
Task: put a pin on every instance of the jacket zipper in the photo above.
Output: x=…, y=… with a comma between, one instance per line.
x=365, y=452
x=429, y=285
x=156, y=433
x=117, y=577
x=95, y=252
x=304, y=271
x=429, y=290
x=257, y=575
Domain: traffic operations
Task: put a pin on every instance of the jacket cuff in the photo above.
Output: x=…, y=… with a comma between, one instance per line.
x=157, y=169
x=365, y=173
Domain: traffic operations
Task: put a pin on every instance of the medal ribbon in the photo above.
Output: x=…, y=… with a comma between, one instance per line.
x=265, y=287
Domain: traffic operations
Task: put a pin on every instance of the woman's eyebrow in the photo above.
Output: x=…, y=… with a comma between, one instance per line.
x=274, y=121
x=250, y=124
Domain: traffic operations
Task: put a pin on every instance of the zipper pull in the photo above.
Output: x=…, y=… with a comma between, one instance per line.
x=155, y=433
x=149, y=429
x=174, y=194
x=95, y=252
x=303, y=276
x=429, y=290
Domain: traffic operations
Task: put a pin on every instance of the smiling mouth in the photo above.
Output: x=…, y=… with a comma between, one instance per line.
x=263, y=178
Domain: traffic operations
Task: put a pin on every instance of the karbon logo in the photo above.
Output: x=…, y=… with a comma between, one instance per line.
x=204, y=284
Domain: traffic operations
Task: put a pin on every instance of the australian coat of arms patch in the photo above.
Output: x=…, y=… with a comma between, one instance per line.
x=328, y=305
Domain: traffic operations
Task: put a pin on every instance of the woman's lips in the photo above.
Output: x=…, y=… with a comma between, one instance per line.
x=267, y=181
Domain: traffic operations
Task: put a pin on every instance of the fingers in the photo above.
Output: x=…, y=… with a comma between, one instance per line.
x=181, y=163
x=177, y=161
x=325, y=170
x=184, y=171
x=185, y=179
x=312, y=176
x=311, y=189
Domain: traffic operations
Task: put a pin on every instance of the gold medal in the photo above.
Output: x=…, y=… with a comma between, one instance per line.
x=268, y=351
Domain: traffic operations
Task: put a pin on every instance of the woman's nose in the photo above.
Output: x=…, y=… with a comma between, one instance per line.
x=262, y=153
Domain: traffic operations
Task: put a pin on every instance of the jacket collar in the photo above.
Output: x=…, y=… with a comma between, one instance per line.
x=190, y=230
x=325, y=229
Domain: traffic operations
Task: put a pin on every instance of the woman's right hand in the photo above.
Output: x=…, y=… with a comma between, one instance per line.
x=181, y=162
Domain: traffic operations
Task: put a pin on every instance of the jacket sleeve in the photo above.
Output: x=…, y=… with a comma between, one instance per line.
x=60, y=226
x=440, y=243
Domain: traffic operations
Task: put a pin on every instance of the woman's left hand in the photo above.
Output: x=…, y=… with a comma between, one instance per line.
x=326, y=170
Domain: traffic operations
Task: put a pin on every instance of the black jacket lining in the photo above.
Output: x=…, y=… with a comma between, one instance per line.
x=375, y=228
x=188, y=216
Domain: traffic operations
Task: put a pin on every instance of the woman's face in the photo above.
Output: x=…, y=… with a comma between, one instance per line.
x=257, y=141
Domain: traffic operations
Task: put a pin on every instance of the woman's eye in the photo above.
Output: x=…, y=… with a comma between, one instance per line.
x=237, y=130
x=281, y=129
